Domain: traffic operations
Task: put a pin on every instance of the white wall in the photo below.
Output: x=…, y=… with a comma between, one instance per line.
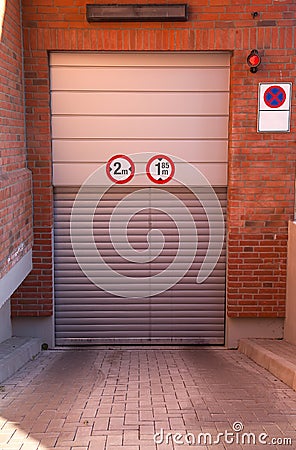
x=11, y=280
x=5, y=321
x=37, y=327
x=290, y=328
x=8, y=284
x=252, y=328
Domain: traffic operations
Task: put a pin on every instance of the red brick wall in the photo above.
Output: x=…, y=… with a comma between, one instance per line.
x=261, y=166
x=15, y=179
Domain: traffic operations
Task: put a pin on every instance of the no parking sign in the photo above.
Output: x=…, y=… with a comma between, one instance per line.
x=274, y=107
x=275, y=96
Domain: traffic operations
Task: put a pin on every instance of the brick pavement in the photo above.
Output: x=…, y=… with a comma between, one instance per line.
x=109, y=399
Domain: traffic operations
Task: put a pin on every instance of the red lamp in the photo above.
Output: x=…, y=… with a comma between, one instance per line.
x=254, y=60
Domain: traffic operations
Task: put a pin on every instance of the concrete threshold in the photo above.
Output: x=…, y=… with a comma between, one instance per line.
x=15, y=353
x=277, y=356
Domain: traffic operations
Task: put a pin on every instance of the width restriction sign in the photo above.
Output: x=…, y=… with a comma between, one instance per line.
x=120, y=169
x=160, y=169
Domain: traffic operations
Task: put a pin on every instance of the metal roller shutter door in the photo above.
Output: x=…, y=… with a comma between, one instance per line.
x=185, y=313
x=105, y=104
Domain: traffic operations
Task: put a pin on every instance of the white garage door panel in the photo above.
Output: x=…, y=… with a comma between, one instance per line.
x=144, y=59
x=102, y=150
x=67, y=174
x=176, y=104
x=139, y=103
x=150, y=79
x=139, y=127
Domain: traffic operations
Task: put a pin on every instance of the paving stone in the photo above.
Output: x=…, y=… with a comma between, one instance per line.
x=147, y=429
x=116, y=423
x=108, y=399
x=55, y=425
x=79, y=448
x=5, y=437
x=115, y=440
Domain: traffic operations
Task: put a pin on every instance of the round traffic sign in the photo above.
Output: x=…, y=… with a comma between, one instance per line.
x=274, y=96
x=160, y=169
x=120, y=169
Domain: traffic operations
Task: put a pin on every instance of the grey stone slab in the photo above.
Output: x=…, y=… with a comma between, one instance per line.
x=15, y=353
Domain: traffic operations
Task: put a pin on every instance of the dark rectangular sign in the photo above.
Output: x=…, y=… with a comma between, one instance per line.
x=137, y=13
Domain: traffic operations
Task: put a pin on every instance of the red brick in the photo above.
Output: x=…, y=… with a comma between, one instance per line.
x=261, y=167
x=15, y=179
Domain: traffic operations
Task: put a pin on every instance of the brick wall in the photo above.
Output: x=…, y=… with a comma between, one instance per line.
x=261, y=166
x=15, y=179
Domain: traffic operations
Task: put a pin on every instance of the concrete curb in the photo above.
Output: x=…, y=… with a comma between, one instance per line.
x=275, y=364
x=15, y=353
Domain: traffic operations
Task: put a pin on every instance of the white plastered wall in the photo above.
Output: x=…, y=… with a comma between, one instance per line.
x=250, y=328
x=5, y=321
x=290, y=328
x=8, y=284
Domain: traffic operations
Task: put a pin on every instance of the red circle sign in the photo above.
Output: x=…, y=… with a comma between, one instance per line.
x=160, y=169
x=120, y=169
x=274, y=96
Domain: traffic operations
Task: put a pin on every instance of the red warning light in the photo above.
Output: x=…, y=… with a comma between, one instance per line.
x=254, y=60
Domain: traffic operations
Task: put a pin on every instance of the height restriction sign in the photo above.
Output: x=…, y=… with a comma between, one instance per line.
x=120, y=169
x=274, y=107
x=160, y=169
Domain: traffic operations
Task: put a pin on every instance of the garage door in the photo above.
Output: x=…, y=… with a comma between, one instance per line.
x=139, y=104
